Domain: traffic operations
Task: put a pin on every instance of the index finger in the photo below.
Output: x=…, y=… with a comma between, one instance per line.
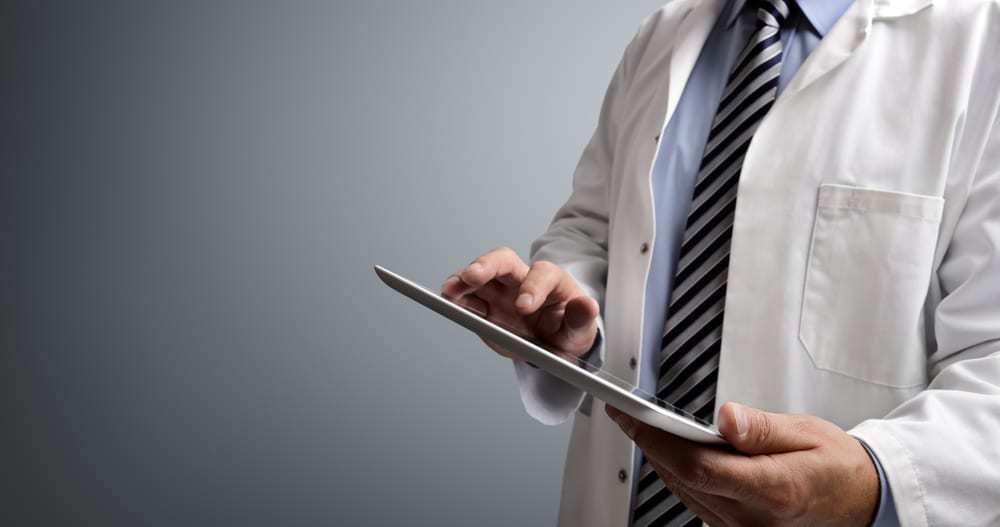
x=545, y=284
x=499, y=264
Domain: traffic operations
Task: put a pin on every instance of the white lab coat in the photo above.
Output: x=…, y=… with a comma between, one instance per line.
x=864, y=284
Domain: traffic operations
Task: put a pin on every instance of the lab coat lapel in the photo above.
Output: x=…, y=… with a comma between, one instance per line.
x=845, y=37
x=899, y=8
x=693, y=31
x=848, y=34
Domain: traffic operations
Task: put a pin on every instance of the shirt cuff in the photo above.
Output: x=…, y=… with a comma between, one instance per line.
x=885, y=514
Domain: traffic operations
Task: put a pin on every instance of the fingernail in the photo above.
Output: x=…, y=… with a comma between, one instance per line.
x=741, y=418
x=452, y=280
x=476, y=267
x=524, y=301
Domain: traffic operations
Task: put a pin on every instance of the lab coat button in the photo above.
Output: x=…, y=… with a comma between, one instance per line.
x=622, y=475
x=644, y=248
x=632, y=362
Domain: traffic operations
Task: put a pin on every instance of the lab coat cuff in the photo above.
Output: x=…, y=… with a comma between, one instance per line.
x=548, y=399
x=902, y=479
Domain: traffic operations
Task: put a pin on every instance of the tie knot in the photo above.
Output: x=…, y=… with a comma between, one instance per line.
x=773, y=13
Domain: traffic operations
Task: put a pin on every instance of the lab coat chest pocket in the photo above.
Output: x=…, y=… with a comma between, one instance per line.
x=867, y=279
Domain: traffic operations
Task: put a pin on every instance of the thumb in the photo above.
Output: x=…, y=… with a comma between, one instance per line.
x=579, y=324
x=581, y=313
x=753, y=431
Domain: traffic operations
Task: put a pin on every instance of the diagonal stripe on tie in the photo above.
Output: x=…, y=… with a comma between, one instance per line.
x=692, y=334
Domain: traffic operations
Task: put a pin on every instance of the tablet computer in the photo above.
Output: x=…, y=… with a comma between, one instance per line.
x=611, y=390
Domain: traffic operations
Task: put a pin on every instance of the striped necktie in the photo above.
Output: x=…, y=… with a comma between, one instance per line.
x=689, y=360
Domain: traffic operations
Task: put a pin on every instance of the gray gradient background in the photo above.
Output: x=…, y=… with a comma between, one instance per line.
x=191, y=198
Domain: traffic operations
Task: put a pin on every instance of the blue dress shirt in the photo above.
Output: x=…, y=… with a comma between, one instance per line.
x=682, y=143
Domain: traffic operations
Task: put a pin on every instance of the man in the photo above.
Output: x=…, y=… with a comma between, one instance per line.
x=826, y=175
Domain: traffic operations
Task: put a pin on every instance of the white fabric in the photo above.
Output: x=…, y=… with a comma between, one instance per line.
x=864, y=283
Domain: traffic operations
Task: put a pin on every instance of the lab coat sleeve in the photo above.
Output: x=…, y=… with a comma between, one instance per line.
x=577, y=241
x=941, y=449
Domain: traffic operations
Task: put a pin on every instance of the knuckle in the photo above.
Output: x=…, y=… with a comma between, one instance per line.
x=499, y=254
x=544, y=266
x=669, y=480
x=701, y=478
x=788, y=500
x=742, y=485
x=778, y=503
x=503, y=250
x=470, y=276
x=696, y=473
x=763, y=428
x=529, y=286
x=482, y=259
x=804, y=427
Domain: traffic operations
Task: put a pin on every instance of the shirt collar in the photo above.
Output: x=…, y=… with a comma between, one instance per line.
x=821, y=14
